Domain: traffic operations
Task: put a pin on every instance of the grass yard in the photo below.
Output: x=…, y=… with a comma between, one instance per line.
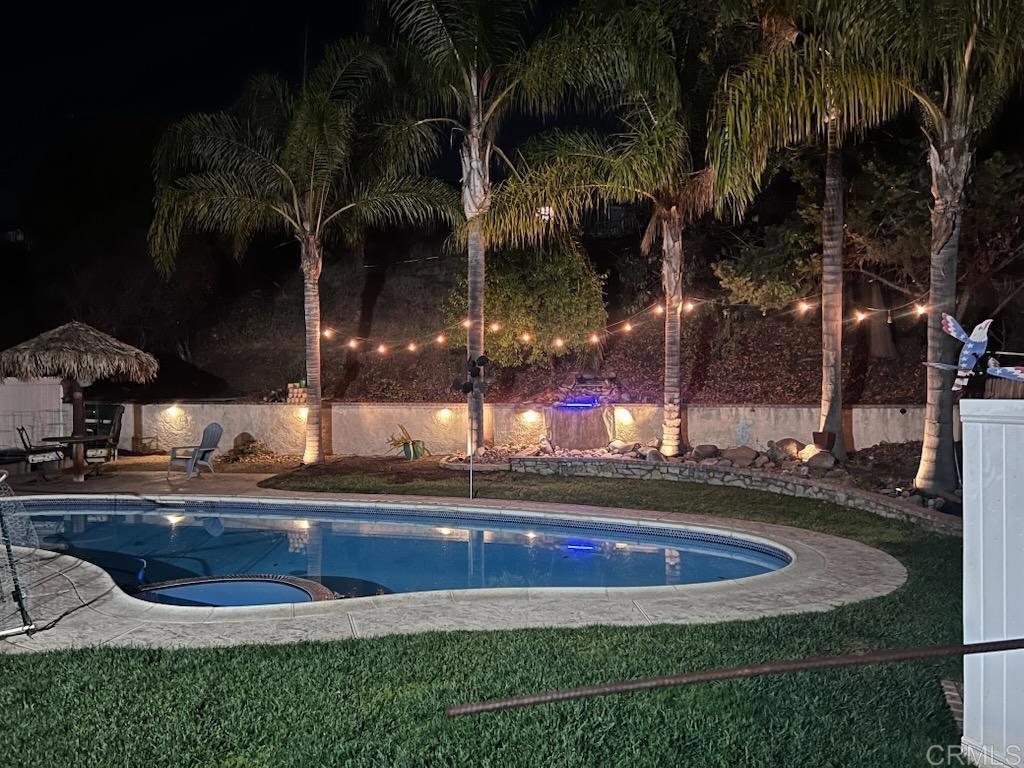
x=379, y=702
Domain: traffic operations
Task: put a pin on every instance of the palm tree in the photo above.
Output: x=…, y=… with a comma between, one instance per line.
x=474, y=63
x=806, y=86
x=298, y=163
x=649, y=161
x=971, y=53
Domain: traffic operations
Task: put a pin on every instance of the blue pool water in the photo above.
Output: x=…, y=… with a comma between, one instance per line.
x=377, y=551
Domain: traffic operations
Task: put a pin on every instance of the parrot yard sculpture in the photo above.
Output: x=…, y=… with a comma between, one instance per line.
x=973, y=349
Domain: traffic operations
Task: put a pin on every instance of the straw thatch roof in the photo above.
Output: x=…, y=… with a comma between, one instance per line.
x=77, y=351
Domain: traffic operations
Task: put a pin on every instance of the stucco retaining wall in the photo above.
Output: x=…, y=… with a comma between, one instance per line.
x=363, y=428
x=754, y=480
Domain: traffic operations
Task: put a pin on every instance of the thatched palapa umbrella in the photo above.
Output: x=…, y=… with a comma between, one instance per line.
x=78, y=353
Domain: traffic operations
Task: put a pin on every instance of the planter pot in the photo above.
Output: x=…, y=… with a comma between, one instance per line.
x=826, y=441
x=414, y=450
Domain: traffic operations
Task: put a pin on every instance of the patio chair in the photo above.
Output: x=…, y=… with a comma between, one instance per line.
x=105, y=449
x=197, y=455
x=37, y=455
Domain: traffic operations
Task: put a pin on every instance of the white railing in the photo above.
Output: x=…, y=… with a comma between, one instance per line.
x=993, y=433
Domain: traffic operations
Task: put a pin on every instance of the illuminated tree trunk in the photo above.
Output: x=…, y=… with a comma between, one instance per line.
x=949, y=165
x=672, y=287
x=832, y=295
x=312, y=264
x=476, y=199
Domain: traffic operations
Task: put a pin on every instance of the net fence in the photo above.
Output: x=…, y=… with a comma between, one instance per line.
x=18, y=539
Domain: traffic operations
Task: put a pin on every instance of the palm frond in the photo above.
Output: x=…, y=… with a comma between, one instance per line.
x=789, y=97
x=214, y=202
x=348, y=69
x=394, y=202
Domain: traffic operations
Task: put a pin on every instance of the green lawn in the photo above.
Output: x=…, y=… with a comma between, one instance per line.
x=379, y=702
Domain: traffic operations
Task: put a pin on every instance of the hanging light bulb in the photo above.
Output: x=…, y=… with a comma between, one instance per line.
x=594, y=338
x=382, y=349
x=467, y=323
x=859, y=316
x=558, y=343
x=495, y=327
x=688, y=306
x=921, y=309
x=328, y=333
x=353, y=343
x=440, y=339
x=658, y=309
x=412, y=346
x=627, y=327
x=525, y=337
x=804, y=307
x=888, y=316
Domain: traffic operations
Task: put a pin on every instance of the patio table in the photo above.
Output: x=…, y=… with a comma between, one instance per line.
x=77, y=444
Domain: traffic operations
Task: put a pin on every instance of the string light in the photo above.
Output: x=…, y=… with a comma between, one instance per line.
x=803, y=306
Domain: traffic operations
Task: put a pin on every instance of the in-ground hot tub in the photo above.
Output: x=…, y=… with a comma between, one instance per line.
x=362, y=551
x=222, y=591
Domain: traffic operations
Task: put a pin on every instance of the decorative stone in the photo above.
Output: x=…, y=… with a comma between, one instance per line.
x=725, y=463
x=708, y=462
x=653, y=454
x=615, y=445
x=742, y=453
x=654, y=442
x=706, y=451
x=821, y=460
x=628, y=448
x=787, y=446
x=761, y=461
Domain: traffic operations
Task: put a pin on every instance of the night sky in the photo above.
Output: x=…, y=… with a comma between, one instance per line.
x=66, y=68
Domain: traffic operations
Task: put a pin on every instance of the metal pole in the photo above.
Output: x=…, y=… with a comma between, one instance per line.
x=735, y=673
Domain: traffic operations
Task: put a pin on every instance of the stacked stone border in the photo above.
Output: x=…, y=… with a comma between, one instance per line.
x=754, y=480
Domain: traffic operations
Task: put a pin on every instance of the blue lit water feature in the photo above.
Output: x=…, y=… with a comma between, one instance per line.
x=357, y=552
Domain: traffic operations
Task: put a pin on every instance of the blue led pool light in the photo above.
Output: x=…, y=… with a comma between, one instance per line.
x=578, y=401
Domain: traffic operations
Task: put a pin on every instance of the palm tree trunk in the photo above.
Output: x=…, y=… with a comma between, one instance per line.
x=476, y=198
x=475, y=332
x=832, y=295
x=312, y=264
x=672, y=286
x=949, y=166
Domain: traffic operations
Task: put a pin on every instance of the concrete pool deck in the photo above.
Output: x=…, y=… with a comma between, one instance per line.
x=76, y=604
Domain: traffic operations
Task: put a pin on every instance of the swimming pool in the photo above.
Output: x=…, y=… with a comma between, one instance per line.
x=375, y=550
